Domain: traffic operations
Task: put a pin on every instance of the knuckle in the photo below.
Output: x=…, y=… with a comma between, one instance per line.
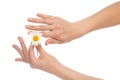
x=45, y=20
x=57, y=34
x=48, y=21
x=53, y=17
x=61, y=37
x=44, y=34
x=57, y=26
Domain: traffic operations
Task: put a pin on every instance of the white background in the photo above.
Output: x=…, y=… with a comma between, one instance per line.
x=95, y=54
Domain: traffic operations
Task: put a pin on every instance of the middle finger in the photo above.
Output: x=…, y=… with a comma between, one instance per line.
x=39, y=20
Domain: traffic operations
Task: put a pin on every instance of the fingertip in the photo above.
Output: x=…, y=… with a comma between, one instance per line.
x=38, y=14
x=29, y=19
x=27, y=26
x=31, y=46
x=28, y=32
x=38, y=46
x=19, y=37
x=41, y=15
x=40, y=50
x=46, y=44
x=13, y=45
x=18, y=59
x=49, y=41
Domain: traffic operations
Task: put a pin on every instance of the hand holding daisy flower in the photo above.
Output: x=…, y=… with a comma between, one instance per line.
x=47, y=63
x=44, y=62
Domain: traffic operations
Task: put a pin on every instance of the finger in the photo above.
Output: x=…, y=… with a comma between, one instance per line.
x=45, y=16
x=42, y=15
x=38, y=20
x=29, y=32
x=19, y=59
x=47, y=34
x=18, y=50
x=52, y=41
x=24, y=48
x=29, y=53
x=32, y=55
x=35, y=20
x=40, y=27
x=40, y=50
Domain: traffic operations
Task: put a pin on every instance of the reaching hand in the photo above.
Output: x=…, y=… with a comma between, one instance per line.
x=56, y=29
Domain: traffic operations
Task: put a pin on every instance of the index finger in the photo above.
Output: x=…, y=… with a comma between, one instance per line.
x=40, y=50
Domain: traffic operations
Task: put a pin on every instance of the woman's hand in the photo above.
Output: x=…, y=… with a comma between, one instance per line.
x=57, y=29
x=47, y=63
x=44, y=62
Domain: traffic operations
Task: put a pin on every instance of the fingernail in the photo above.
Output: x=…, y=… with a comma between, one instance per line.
x=27, y=26
x=29, y=18
x=29, y=32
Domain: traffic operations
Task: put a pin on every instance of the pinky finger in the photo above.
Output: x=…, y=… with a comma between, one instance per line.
x=45, y=16
x=19, y=59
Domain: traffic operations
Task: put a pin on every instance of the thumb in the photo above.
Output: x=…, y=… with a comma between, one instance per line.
x=52, y=41
x=40, y=50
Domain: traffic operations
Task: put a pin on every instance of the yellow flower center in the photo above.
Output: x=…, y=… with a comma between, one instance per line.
x=35, y=38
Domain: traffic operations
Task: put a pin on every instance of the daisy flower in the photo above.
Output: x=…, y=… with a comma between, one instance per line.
x=35, y=37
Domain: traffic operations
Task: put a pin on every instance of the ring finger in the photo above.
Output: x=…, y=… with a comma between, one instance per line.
x=40, y=27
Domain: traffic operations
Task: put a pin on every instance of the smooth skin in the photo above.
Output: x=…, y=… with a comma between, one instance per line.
x=47, y=63
x=58, y=30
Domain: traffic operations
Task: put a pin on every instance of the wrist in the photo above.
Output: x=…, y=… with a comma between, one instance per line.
x=60, y=71
x=83, y=27
x=64, y=73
